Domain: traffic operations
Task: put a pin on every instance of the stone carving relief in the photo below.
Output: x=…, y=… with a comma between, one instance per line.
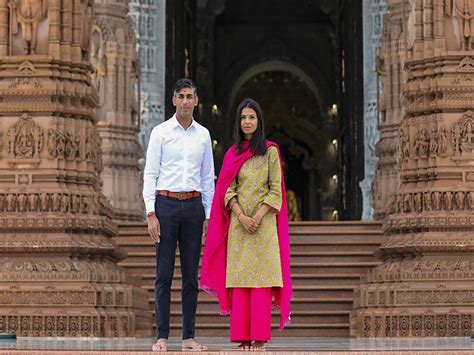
x=27, y=14
x=26, y=68
x=63, y=145
x=462, y=136
x=462, y=12
x=99, y=62
x=428, y=218
x=421, y=143
x=421, y=201
x=1, y=145
x=25, y=139
x=466, y=65
x=87, y=13
x=404, y=142
x=48, y=202
x=434, y=143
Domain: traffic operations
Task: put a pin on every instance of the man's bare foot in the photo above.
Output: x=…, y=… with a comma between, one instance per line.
x=258, y=345
x=245, y=345
x=192, y=345
x=160, y=345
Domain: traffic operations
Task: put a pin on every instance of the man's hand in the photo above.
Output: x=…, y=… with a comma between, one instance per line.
x=205, y=225
x=154, y=228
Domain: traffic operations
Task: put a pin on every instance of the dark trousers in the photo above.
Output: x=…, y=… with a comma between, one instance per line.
x=180, y=223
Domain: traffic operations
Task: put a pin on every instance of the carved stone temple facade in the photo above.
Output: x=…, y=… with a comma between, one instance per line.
x=116, y=78
x=425, y=286
x=150, y=30
x=58, y=262
x=373, y=15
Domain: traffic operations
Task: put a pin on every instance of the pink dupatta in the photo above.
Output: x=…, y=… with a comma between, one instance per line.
x=213, y=272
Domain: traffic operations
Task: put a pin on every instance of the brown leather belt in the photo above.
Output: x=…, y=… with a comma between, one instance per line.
x=179, y=195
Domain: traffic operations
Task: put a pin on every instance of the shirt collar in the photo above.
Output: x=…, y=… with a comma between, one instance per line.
x=176, y=124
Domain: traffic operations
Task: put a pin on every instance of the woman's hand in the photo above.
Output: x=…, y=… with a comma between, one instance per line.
x=258, y=217
x=262, y=211
x=248, y=223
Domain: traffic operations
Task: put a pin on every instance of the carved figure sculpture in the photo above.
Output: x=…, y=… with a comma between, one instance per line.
x=28, y=14
x=442, y=141
x=465, y=10
x=434, y=141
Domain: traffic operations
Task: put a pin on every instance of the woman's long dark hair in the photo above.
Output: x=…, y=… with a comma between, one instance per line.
x=257, y=142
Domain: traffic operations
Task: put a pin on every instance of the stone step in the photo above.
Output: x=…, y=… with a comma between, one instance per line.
x=327, y=261
x=344, y=279
x=147, y=268
x=314, y=227
x=303, y=304
x=296, y=257
x=322, y=317
x=128, y=238
x=291, y=330
x=321, y=303
x=145, y=249
x=326, y=291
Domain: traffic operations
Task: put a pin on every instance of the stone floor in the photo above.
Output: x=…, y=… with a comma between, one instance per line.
x=280, y=345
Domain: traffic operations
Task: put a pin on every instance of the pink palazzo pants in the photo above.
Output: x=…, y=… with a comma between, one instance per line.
x=251, y=314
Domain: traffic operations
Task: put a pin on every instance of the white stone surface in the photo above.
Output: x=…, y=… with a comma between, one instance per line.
x=373, y=11
x=150, y=28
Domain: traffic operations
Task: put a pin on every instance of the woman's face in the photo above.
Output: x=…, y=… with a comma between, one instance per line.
x=248, y=122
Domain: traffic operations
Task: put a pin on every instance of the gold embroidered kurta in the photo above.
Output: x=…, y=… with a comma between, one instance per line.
x=253, y=259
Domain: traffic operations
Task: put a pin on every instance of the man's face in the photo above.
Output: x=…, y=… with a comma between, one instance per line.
x=185, y=101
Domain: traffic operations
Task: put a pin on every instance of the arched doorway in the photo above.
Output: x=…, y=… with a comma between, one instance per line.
x=293, y=119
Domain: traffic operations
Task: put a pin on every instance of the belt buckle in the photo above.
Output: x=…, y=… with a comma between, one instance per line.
x=182, y=196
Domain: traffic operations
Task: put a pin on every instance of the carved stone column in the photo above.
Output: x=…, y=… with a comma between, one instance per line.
x=54, y=28
x=4, y=31
x=116, y=78
x=373, y=19
x=389, y=67
x=150, y=28
x=425, y=285
x=58, y=262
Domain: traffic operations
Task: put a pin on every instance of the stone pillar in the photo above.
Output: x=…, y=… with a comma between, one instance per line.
x=76, y=32
x=389, y=67
x=150, y=28
x=373, y=12
x=425, y=285
x=117, y=80
x=4, y=30
x=66, y=30
x=58, y=262
x=54, y=29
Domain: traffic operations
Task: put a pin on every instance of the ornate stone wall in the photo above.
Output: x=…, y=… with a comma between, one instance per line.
x=117, y=80
x=425, y=285
x=374, y=11
x=150, y=28
x=58, y=271
x=389, y=68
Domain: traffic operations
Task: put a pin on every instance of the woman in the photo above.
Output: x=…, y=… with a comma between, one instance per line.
x=246, y=261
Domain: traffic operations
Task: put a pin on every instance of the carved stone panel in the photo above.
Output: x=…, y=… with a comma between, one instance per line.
x=25, y=139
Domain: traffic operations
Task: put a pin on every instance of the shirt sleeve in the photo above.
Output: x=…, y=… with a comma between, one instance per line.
x=274, y=197
x=207, y=177
x=231, y=192
x=152, y=169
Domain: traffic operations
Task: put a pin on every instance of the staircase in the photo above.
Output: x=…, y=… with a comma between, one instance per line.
x=327, y=259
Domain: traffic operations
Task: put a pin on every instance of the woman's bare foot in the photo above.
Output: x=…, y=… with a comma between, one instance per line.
x=245, y=346
x=160, y=345
x=192, y=345
x=259, y=345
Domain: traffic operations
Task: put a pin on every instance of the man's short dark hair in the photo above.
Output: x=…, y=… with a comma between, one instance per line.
x=184, y=83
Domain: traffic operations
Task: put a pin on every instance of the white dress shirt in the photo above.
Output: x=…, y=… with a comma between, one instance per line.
x=179, y=160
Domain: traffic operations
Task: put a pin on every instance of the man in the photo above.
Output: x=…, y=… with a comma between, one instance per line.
x=178, y=190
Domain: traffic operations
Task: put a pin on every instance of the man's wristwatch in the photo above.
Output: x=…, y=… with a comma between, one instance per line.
x=151, y=213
